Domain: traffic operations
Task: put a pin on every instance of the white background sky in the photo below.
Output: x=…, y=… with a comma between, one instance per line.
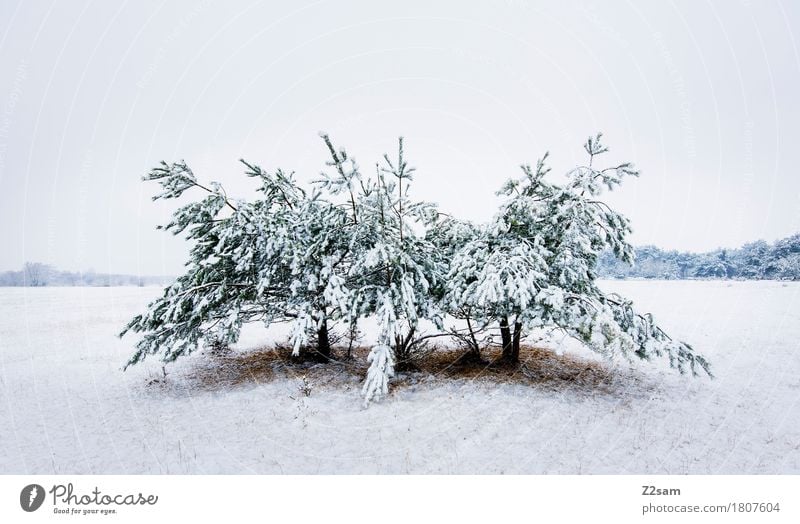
x=702, y=96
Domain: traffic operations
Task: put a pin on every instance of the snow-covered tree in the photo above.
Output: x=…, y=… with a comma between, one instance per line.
x=270, y=260
x=391, y=262
x=353, y=247
x=534, y=266
x=36, y=274
x=448, y=238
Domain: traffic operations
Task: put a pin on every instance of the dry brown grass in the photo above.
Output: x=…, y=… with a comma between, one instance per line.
x=538, y=367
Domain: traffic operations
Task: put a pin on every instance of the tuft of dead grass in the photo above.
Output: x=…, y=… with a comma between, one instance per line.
x=538, y=367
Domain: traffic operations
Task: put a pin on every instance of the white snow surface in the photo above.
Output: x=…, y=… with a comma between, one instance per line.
x=66, y=406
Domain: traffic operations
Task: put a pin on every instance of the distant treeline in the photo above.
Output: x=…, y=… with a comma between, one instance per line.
x=36, y=274
x=754, y=261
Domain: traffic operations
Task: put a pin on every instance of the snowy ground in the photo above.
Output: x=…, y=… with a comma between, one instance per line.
x=66, y=407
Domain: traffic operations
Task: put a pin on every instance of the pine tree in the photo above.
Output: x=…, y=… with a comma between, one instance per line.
x=534, y=266
x=299, y=257
x=271, y=260
x=391, y=266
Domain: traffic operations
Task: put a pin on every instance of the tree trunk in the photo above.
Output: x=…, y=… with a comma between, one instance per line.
x=505, y=334
x=515, y=344
x=323, y=342
x=474, y=347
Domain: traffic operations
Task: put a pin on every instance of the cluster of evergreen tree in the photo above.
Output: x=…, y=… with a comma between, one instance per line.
x=356, y=245
x=753, y=261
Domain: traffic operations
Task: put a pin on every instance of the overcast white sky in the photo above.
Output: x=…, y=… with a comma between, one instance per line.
x=702, y=96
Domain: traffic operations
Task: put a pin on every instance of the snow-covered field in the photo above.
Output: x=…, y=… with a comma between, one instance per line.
x=66, y=406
